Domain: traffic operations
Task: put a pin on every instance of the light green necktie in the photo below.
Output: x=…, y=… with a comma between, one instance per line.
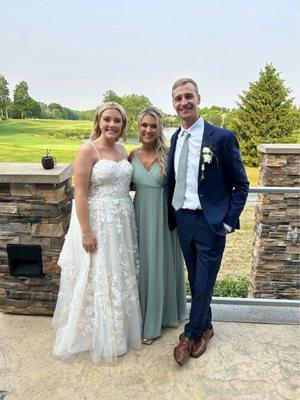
x=179, y=191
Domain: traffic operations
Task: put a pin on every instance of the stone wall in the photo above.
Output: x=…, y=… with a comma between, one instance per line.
x=35, y=207
x=275, y=266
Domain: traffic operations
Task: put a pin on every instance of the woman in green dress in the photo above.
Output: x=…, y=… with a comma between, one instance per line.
x=162, y=293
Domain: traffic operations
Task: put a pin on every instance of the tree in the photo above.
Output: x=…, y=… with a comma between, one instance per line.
x=87, y=114
x=56, y=113
x=64, y=112
x=133, y=105
x=21, y=99
x=45, y=112
x=4, y=97
x=110, y=95
x=229, y=120
x=265, y=115
x=33, y=109
x=213, y=115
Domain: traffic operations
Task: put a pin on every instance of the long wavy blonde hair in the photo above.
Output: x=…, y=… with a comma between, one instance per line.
x=96, y=132
x=161, y=143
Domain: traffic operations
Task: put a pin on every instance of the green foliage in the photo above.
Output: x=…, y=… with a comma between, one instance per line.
x=45, y=112
x=231, y=287
x=33, y=109
x=133, y=105
x=4, y=97
x=23, y=105
x=265, y=115
x=230, y=118
x=110, y=95
x=59, y=112
x=56, y=113
x=228, y=286
x=171, y=120
x=214, y=114
x=21, y=99
x=87, y=115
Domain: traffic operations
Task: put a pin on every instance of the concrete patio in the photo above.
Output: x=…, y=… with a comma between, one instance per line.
x=244, y=361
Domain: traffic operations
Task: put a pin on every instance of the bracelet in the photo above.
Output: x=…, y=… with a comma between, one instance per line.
x=84, y=234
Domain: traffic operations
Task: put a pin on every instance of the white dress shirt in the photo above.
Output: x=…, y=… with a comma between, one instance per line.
x=191, y=200
x=191, y=197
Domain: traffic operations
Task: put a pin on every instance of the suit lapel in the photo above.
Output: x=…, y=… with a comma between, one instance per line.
x=206, y=142
x=172, y=150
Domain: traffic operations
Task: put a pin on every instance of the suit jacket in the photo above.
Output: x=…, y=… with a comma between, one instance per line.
x=223, y=191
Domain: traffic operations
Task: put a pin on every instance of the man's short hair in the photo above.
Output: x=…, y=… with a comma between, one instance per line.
x=184, y=81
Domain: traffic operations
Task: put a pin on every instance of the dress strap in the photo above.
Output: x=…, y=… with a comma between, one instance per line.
x=122, y=151
x=96, y=150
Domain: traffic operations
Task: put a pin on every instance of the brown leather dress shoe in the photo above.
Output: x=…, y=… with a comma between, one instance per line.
x=183, y=350
x=200, y=345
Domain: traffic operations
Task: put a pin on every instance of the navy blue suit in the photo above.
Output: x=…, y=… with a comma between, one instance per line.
x=222, y=194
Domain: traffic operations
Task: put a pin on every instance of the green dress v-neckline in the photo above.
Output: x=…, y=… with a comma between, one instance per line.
x=153, y=177
x=143, y=166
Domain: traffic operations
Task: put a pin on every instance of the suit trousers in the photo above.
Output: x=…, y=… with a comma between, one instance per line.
x=202, y=250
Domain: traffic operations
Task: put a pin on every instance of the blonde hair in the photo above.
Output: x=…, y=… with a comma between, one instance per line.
x=184, y=81
x=111, y=105
x=161, y=143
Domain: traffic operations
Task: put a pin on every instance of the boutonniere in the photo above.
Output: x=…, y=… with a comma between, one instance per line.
x=207, y=157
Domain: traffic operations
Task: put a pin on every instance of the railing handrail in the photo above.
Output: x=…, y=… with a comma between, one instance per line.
x=252, y=189
x=274, y=189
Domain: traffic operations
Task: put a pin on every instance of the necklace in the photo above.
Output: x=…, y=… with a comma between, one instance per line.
x=148, y=162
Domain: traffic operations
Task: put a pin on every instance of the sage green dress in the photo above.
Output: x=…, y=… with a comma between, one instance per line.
x=162, y=292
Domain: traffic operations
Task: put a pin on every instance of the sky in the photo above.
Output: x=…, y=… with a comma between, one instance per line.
x=72, y=52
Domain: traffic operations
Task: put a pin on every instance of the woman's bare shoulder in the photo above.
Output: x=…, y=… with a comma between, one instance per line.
x=86, y=153
x=132, y=153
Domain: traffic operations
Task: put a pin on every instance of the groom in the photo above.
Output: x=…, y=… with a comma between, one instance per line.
x=207, y=191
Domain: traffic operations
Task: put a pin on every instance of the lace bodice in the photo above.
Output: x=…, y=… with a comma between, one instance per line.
x=110, y=179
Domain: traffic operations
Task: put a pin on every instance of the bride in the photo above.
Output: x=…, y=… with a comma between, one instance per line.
x=98, y=310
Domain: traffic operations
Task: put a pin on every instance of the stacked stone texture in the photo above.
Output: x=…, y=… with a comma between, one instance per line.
x=275, y=267
x=33, y=214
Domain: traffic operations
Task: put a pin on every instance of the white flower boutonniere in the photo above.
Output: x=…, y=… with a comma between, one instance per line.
x=207, y=156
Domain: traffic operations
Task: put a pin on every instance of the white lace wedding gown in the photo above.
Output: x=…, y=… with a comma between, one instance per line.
x=98, y=308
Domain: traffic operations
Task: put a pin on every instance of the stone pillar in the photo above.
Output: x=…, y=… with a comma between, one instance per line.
x=35, y=206
x=275, y=265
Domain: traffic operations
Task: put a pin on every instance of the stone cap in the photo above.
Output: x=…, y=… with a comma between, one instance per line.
x=34, y=173
x=279, y=148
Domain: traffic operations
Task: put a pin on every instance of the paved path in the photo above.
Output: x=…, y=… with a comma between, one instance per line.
x=244, y=362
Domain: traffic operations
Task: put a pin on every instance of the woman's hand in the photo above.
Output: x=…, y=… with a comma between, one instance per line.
x=89, y=242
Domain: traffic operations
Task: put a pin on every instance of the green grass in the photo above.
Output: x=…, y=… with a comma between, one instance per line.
x=237, y=257
x=27, y=141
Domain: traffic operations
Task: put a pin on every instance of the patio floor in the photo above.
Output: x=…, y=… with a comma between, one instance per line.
x=244, y=361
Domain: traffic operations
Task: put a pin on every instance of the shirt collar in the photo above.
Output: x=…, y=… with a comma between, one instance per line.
x=198, y=125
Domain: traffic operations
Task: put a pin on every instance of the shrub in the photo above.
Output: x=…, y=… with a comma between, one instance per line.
x=232, y=287
x=228, y=286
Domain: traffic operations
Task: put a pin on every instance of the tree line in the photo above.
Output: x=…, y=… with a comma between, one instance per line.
x=24, y=106
x=265, y=113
